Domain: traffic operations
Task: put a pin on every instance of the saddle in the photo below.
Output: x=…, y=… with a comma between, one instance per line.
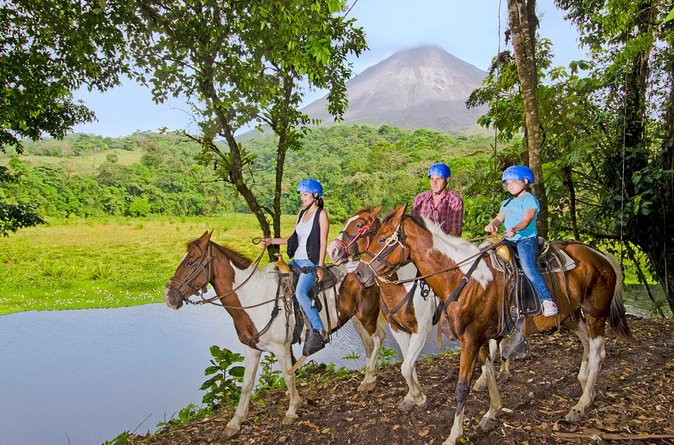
x=288, y=276
x=520, y=299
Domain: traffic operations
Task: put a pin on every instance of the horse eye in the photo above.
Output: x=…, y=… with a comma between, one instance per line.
x=190, y=264
x=382, y=239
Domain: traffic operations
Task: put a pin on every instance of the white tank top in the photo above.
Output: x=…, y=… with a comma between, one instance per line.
x=303, y=230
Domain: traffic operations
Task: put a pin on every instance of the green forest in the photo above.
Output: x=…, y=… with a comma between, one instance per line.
x=159, y=174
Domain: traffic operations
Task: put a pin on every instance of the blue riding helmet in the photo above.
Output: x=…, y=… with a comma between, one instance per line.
x=310, y=186
x=439, y=170
x=519, y=172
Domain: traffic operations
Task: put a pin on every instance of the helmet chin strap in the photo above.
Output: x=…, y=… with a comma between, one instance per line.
x=516, y=195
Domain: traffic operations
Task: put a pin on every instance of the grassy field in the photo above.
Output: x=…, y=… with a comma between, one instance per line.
x=86, y=164
x=114, y=262
x=107, y=262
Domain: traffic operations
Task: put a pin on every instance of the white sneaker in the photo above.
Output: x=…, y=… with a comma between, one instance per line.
x=549, y=308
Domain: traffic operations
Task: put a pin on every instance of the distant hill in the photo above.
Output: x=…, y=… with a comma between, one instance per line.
x=424, y=87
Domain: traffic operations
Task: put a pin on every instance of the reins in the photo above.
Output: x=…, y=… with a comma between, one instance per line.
x=204, y=260
x=396, y=239
x=455, y=266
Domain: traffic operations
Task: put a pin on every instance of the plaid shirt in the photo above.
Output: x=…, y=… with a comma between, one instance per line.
x=448, y=213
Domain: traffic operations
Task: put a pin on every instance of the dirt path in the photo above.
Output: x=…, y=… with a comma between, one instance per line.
x=634, y=404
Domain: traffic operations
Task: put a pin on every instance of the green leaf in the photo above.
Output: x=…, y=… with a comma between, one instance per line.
x=237, y=371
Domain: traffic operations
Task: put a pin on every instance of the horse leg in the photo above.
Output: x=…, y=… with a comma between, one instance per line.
x=372, y=345
x=469, y=351
x=284, y=356
x=250, y=363
x=411, y=346
x=595, y=360
x=581, y=332
x=488, y=421
x=481, y=382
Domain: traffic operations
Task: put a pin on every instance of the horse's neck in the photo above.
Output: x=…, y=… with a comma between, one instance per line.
x=223, y=275
x=430, y=258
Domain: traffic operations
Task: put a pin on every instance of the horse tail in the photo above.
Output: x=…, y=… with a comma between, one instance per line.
x=616, y=317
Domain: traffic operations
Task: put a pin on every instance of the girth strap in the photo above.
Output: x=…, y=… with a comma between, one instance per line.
x=462, y=284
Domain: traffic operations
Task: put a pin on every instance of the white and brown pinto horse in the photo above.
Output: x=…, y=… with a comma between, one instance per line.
x=250, y=294
x=409, y=312
x=595, y=286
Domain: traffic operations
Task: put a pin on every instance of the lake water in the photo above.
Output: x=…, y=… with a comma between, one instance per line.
x=83, y=377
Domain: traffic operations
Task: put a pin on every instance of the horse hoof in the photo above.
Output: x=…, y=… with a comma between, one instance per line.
x=287, y=420
x=230, y=432
x=488, y=424
x=574, y=416
x=406, y=405
x=503, y=377
x=366, y=386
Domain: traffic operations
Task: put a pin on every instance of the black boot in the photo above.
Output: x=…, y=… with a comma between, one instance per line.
x=517, y=347
x=314, y=341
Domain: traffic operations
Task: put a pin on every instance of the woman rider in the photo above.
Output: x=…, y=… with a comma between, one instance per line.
x=307, y=246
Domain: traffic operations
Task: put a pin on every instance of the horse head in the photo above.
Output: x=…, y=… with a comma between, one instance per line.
x=354, y=239
x=193, y=272
x=388, y=250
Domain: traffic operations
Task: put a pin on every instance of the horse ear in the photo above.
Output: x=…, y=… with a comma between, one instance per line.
x=205, y=238
x=376, y=211
x=400, y=211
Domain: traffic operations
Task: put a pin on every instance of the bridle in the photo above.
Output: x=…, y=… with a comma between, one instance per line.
x=203, y=264
x=396, y=239
x=366, y=231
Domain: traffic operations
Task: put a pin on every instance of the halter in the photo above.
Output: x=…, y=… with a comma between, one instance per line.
x=199, y=266
x=196, y=268
x=396, y=239
x=364, y=231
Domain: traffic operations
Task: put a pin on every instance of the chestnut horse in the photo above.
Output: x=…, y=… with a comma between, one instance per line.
x=250, y=296
x=410, y=317
x=595, y=295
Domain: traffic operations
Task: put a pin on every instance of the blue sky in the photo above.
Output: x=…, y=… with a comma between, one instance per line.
x=468, y=30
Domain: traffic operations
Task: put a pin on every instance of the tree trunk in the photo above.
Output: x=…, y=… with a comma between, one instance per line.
x=568, y=182
x=662, y=250
x=522, y=20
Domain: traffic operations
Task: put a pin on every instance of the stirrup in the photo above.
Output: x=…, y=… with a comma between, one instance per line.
x=313, y=342
x=517, y=347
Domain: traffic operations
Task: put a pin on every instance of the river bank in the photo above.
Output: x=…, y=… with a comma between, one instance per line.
x=634, y=401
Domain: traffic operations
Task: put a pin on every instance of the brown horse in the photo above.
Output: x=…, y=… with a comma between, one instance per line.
x=595, y=295
x=411, y=323
x=250, y=296
x=409, y=308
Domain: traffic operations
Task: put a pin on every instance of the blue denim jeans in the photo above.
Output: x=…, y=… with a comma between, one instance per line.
x=527, y=249
x=304, y=284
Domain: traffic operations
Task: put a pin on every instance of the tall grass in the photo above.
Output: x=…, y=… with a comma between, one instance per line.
x=108, y=262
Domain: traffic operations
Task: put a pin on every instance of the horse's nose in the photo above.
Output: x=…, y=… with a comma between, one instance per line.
x=172, y=298
x=333, y=252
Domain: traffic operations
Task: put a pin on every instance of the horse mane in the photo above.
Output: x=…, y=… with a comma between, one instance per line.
x=367, y=209
x=457, y=249
x=240, y=261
